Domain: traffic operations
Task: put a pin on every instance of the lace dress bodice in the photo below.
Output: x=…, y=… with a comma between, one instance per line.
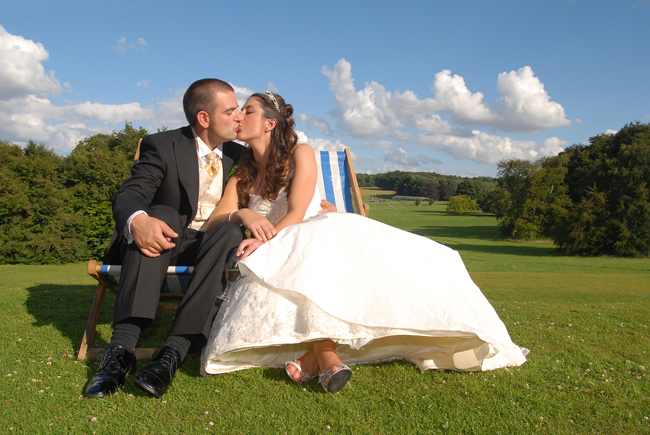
x=272, y=210
x=275, y=210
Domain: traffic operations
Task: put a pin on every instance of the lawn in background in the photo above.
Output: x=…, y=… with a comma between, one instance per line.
x=584, y=319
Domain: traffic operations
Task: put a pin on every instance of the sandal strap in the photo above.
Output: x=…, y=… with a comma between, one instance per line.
x=325, y=377
x=305, y=376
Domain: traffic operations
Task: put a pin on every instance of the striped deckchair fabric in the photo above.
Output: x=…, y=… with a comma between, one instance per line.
x=337, y=182
x=177, y=279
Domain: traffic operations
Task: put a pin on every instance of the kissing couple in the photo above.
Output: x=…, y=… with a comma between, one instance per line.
x=318, y=292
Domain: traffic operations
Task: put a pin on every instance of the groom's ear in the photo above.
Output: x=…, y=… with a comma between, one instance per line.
x=203, y=119
x=270, y=124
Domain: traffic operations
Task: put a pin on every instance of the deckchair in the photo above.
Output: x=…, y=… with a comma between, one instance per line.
x=337, y=182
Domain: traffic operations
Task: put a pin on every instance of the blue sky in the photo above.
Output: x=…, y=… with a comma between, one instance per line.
x=446, y=86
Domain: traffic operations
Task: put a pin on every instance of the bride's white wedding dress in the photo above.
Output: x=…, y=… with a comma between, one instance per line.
x=380, y=293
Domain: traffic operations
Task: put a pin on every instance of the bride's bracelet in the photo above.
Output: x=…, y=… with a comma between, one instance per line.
x=230, y=215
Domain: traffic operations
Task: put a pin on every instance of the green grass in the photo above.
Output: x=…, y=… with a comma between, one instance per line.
x=477, y=239
x=584, y=319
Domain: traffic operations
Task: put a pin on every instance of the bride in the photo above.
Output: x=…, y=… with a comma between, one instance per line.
x=319, y=292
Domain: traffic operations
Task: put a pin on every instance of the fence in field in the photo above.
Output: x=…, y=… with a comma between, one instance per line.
x=410, y=198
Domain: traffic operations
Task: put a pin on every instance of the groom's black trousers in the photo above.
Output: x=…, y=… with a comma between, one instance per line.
x=142, y=277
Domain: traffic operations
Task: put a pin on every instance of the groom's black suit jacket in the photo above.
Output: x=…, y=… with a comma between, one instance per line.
x=167, y=173
x=165, y=184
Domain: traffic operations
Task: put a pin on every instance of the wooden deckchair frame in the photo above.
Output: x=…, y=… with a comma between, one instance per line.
x=94, y=270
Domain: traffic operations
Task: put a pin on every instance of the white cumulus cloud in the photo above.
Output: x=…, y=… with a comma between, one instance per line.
x=453, y=97
x=26, y=111
x=525, y=105
x=486, y=148
x=445, y=121
x=241, y=94
x=322, y=144
x=21, y=68
x=358, y=112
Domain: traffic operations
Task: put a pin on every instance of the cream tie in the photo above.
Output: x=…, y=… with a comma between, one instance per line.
x=213, y=167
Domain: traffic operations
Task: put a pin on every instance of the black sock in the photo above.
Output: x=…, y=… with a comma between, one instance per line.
x=126, y=334
x=179, y=342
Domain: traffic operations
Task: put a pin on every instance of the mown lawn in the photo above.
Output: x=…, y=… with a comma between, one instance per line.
x=584, y=319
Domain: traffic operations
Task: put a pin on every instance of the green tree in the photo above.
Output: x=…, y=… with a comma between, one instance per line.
x=36, y=223
x=462, y=204
x=475, y=189
x=366, y=180
x=607, y=182
x=411, y=185
x=531, y=196
x=445, y=192
x=58, y=210
x=95, y=169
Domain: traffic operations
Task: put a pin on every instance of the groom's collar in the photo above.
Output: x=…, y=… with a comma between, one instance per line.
x=203, y=150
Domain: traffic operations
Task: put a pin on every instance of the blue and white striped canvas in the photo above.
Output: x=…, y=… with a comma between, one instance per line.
x=178, y=277
x=333, y=181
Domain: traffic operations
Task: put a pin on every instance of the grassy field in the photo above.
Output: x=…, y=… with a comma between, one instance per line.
x=584, y=319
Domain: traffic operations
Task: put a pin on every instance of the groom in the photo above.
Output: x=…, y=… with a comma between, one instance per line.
x=160, y=212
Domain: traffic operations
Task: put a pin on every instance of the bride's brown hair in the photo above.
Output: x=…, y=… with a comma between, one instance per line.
x=280, y=165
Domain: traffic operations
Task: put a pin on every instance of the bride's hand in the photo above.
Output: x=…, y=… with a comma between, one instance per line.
x=259, y=226
x=247, y=247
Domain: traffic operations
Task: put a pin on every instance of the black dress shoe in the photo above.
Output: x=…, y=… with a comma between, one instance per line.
x=117, y=363
x=156, y=376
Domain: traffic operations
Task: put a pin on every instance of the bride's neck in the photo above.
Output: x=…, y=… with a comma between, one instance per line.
x=261, y=151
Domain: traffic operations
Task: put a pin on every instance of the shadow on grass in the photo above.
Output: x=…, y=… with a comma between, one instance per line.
x=67, y=307
x=513, y=248
x=488, y=233
x=443, y=213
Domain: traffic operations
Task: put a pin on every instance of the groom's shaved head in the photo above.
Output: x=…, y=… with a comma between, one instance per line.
x=202, y=96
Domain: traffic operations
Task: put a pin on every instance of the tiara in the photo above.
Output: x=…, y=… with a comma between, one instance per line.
x=272, y=98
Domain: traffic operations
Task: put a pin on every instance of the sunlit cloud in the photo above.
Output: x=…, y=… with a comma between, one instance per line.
x=525, y=106
x=446, y=122
x=322, y=144
x=21, y=68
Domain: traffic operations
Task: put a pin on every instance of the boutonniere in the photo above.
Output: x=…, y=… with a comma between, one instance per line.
x=234, y=171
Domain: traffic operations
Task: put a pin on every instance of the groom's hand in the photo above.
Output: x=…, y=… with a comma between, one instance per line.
x=151, y=235
x=247, y=247
x=326, y=207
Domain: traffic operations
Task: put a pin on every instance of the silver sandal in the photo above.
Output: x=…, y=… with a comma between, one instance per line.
x=304, y=374
x=332, y=381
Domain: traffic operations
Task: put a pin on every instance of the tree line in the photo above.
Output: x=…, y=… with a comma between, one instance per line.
x=57, y=209
x=591, y=199
x=430, y=184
